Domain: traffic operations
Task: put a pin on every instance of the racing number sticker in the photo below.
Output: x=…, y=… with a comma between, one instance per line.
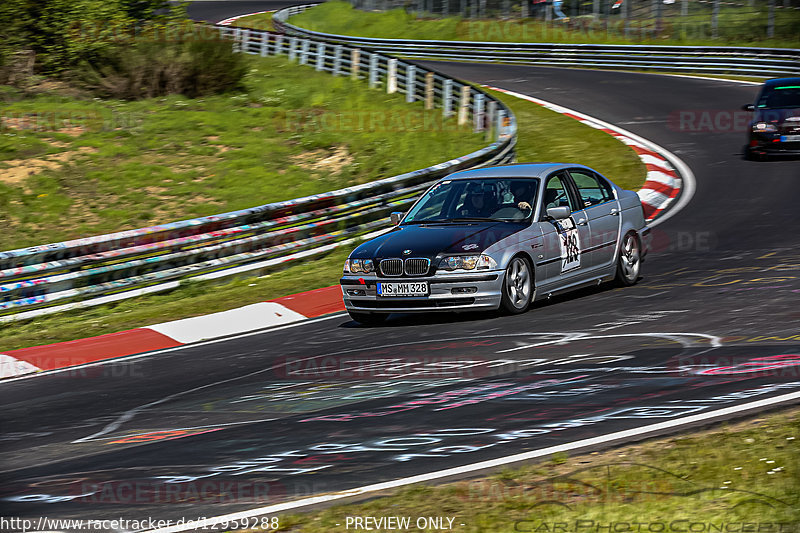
x=570, y=244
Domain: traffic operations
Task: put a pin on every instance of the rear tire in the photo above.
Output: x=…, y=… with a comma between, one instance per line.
x=368, y=319
x=517, y=287
x=629, y=261
x=750, y=155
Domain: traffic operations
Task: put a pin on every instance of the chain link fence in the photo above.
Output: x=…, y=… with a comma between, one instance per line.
x=701, y=20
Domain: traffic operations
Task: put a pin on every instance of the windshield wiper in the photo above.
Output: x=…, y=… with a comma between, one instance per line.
x=450, y=220
x=474, y=219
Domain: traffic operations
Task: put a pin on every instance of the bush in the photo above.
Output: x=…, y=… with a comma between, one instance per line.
x=149, y=69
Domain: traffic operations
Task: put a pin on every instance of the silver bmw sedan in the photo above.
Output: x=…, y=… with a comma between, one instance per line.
x=499, y=238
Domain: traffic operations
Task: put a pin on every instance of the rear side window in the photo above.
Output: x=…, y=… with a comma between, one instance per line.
x=592, y=189
x=555, y=193
x=780, y=97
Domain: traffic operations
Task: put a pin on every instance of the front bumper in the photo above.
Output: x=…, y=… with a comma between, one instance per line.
x=360, y=293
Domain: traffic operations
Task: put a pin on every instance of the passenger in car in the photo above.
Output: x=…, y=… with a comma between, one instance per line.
x=522, y=195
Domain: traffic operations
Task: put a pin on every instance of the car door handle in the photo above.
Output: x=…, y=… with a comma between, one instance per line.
x=614, y=212
x=581, y=222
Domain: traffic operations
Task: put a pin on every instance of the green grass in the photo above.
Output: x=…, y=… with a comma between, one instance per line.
x=133, y=164
x=736, y=28
x=746, y=472
x=575, y=143
x=262, y=21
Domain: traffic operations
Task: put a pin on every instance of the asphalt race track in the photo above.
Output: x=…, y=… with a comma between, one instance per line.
x=326, y=405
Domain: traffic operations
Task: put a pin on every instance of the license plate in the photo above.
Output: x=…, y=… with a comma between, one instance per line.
x=403, y=289
x=790, y=138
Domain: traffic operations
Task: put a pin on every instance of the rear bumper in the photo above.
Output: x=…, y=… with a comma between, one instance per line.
x=763, y=144
x=485, y=292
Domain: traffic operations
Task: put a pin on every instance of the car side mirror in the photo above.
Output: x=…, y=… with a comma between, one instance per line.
x=749, y=107
x=396, y=217
x=559, y=213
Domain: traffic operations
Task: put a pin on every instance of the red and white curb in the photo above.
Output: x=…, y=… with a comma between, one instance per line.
x=664, y=182
x=263, y=315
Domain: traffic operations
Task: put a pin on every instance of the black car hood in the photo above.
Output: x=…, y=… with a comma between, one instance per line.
x=429, y=240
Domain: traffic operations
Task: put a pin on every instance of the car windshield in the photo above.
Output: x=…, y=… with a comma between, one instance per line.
x=780, y=97
x=476, y=200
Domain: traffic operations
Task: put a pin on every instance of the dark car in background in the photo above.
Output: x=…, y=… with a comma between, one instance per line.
x=775, y=127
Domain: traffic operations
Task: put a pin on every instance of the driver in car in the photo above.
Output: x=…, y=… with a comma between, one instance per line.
x=477, y=203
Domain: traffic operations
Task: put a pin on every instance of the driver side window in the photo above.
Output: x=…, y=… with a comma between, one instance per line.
x=555, y=194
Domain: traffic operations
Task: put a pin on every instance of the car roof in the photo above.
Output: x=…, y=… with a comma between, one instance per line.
x=781, y=81
x=521, y=170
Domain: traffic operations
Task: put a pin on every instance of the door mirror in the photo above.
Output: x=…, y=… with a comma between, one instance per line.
x=749, y=107
x=559, y=213
x=396, y=217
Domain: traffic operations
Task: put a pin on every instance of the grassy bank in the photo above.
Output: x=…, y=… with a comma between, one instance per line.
x=730, y=476
x=72, y=166
x=736, y=29
x=576, y=143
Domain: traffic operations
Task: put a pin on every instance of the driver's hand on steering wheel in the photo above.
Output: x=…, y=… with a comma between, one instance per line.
x=524, y=205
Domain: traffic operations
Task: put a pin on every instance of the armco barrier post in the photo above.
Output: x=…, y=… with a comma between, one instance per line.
x=355, y=62
x=237, y=37
x=447, y=98
x=320, y=56
x=304, y=52
x=373, y=70
x=499, y=128
x=429, y=90
x=337, y=59
x=278, y=45
x=264, y=50
x=245, y=41
x=490, y=116
x=411, y=83
x=463, y=106
x=478, y=113
x=292, y=48
x=391, y=76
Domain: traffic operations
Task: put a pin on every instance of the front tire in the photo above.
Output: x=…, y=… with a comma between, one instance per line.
x=517, y=287
x=629, y=261
x=368, y=319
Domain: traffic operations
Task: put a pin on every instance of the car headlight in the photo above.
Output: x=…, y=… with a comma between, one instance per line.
x=356, y=266
x=764, y=127
x=467, y=262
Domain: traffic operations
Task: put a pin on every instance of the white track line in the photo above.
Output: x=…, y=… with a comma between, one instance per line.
x=475, y=467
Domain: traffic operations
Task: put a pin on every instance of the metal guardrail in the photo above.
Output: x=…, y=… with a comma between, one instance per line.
x=742, y=61
x=52, y=277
